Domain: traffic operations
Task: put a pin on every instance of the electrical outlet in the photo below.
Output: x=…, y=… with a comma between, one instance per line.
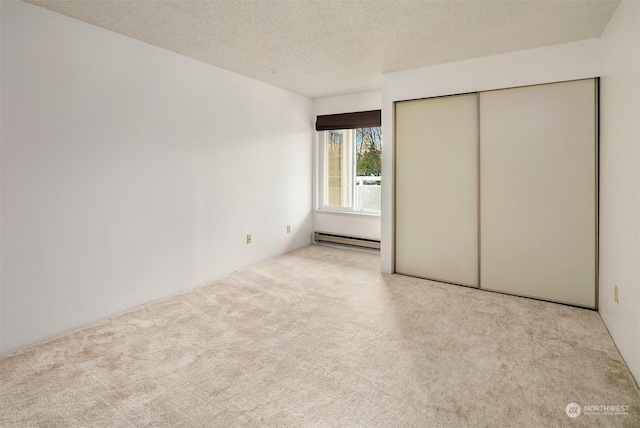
x=288, y=228
x=248, y=238
x=615, y=297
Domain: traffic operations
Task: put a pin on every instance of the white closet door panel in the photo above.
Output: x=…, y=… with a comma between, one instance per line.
x=436, y=152
x=538, y=191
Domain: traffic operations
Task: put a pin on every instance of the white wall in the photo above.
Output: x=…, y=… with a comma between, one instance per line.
x=353, y=224
x=620, y=181
x=130, y=173
x=569, y=61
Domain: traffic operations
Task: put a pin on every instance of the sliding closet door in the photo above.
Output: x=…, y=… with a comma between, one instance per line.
x=436, y=153
x=538, y=191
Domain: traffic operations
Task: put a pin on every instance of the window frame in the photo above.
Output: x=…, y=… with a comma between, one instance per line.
x=322, y=166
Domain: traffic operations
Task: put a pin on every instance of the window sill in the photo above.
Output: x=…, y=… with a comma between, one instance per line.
x=347, y=213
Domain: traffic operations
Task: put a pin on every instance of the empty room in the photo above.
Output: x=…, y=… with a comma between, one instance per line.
x=316, y=213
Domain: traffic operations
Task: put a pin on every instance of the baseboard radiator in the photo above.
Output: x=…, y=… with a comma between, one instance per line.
x=353, y=241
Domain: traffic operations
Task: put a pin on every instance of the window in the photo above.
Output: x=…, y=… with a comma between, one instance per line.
x=351, y=169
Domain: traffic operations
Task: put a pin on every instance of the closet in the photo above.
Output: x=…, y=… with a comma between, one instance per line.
x=498, y=190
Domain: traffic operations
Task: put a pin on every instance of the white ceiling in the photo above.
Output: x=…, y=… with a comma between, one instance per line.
x=322, y=48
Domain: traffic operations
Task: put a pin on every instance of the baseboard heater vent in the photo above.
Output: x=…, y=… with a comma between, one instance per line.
x=346, y=240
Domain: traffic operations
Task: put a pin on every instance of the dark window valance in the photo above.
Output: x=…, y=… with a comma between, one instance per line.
x=362, y=119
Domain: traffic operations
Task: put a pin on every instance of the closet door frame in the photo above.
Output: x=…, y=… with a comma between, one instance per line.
x=479, y=193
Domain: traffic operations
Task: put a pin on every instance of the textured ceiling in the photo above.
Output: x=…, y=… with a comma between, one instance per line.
x=321, y=48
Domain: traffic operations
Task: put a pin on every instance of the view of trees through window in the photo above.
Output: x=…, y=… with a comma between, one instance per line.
x=368, y=151
x=353, y=169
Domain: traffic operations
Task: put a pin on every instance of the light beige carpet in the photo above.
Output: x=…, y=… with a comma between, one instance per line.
x=319, y=338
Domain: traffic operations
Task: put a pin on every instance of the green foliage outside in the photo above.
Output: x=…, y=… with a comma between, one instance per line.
x=368, y=151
